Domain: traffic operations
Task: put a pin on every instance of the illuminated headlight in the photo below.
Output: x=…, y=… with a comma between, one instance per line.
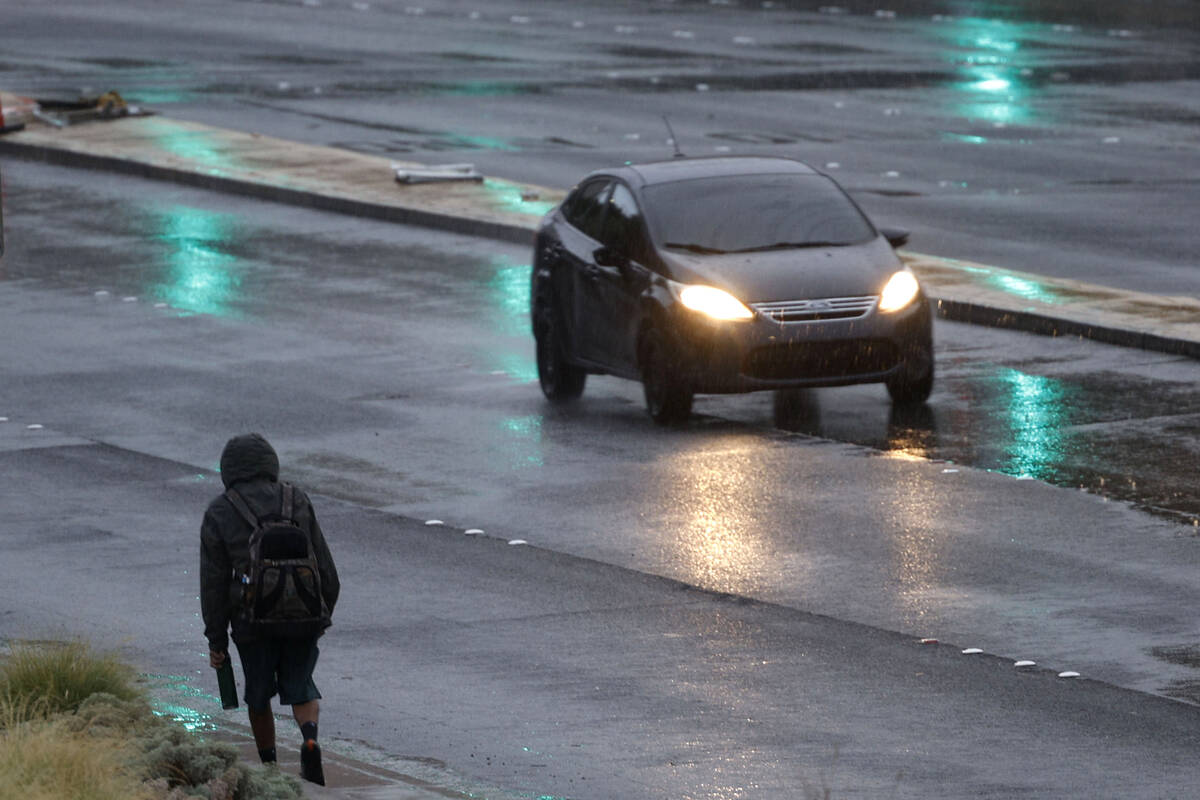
x=713, y=302
x=901, y=289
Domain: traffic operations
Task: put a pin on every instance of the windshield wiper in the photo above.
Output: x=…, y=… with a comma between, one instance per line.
x=789, y=246
x=694, y=248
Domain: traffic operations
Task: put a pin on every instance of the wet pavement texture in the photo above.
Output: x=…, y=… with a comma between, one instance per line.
x=1120, y=423
x=1051, y=137
x=491, y=670
x=160, y=320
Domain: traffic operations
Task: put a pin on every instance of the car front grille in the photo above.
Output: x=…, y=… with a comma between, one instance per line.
x=843, y=358
x=817, y=310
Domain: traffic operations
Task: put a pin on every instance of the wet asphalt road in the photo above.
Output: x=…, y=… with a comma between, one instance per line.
x=482, y=669
x=963, y=522
x=1053, y=137
x=143, y=323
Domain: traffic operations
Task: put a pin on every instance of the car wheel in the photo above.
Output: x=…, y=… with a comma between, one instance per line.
x=560, y=380
x=668, y=399
x=914, y=382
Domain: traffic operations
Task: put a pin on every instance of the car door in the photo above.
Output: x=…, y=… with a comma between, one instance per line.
x=577, y=244
x=610, y=291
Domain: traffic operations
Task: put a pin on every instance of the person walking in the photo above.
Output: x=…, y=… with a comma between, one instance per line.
x=267, y=575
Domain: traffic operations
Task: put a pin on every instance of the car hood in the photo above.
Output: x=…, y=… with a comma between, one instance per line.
x=775, y=275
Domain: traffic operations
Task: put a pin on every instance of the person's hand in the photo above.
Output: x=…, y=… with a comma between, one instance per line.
x=216, y=659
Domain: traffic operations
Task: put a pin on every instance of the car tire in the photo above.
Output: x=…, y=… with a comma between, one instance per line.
x=668, y=398
x=913, y=383
x=560, y=380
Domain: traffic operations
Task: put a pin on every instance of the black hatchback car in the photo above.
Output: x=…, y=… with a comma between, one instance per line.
x=720, y=275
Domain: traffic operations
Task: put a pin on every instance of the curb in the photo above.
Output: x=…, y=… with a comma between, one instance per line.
x=1044, y=325
x=267, y=191
x=341, y=181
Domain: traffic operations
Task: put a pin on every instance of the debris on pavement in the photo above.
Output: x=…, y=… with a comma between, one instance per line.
x=436, y=173
x=15, y=111
x=110, y=105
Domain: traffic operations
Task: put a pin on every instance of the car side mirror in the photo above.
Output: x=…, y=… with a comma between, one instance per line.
x=897, y=237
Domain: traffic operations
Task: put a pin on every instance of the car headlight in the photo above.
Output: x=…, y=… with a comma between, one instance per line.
x=714, y=303
x=901, y=289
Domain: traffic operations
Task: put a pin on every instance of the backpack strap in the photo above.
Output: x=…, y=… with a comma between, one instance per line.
x=240, y=506
x=287, y=501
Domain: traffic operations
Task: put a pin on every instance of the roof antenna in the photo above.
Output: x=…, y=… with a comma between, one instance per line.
x=674, y=141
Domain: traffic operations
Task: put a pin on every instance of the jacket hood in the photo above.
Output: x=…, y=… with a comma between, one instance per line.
x=248, y=456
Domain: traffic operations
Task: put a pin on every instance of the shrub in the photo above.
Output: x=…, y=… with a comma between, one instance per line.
x=41, y=760
x=74, y=725
x=56, y=679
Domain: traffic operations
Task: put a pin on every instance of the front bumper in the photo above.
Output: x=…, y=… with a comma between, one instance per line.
x=731, y=357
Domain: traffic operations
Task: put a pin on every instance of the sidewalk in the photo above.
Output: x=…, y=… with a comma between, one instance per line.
x=346, y=778
x=344, y=181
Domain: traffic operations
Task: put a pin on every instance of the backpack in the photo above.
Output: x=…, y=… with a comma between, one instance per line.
x=281, y=593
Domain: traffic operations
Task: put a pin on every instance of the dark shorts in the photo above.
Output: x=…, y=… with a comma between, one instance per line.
x=279, y=666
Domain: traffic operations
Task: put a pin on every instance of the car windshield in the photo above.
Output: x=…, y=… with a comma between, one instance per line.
x=747, y=213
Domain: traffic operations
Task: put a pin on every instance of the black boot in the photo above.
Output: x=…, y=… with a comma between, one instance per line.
x=310, y=755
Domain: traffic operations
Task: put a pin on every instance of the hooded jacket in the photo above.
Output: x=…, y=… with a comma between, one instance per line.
x=249, y=464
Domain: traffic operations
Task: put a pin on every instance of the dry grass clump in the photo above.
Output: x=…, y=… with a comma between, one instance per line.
x=55, y=679
x=73, y=724
x=41, y=760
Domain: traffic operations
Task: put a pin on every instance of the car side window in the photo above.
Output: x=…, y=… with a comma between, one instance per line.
x=585, y=209
x=624, y=228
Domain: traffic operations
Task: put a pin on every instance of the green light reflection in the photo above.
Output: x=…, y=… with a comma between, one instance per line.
x=983, y=50
x=201, y=278
x=1036, y=416
x=1022, y=287
x=989, y=42
x=508, y=290
x=189, y=718
x=172, y=693
x=992, y=85
x=962, y=137
x=525, y=433
x=993, y=96
x=485, y=143
x=159, y=97
x=194, y=145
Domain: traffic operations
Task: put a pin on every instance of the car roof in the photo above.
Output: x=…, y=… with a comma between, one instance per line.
x=682, y=169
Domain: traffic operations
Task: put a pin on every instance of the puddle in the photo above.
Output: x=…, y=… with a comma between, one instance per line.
x=1184, y=655
x=820, y=48
x=662, y=53
x=176, y=698
x=1185, y=690
x=786, y=81
x=1116, y=436
x=124, y=63
x=296, y=59
x=477, y=58
x=200, y=276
